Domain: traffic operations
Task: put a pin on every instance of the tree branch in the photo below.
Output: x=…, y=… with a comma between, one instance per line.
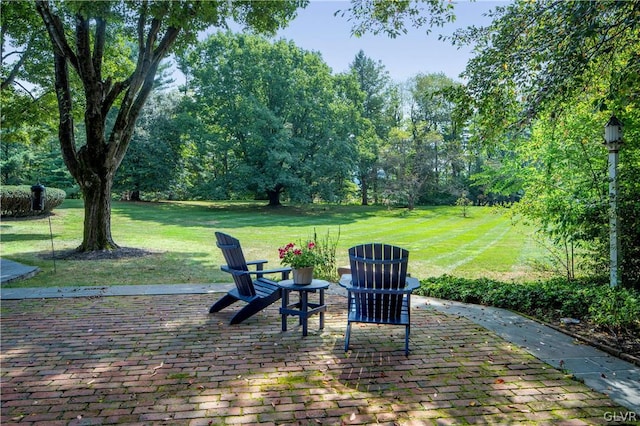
x=65, y=129
x=139, y=97
x=55, y=29
x=16, y=67
x=13, y=52
x=112, y=92
x=98, y=46
x=85, y=65
x=26, y=91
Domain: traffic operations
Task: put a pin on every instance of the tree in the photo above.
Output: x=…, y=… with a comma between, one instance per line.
x=432, y=113
x=373, y=82
x=23, y=50
x=113, y=49
x=405, y=167
x=536, y=55
x=563, y=191
x=546, y=77
x=28, y=108
x=273, y=115
x=154, y=153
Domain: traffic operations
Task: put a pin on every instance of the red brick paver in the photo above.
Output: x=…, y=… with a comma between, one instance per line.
x=165, y=360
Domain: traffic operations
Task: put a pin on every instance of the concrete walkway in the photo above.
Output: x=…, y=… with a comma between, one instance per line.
x=442, y=333
x=12, y=271
x=599, y=370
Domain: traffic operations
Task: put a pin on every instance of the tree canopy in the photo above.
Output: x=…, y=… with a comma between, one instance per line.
x=537, y=55
x=270, y=114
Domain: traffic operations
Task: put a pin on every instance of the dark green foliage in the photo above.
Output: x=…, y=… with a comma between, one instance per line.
x=629, y=205
x=617, y=309
x=373, y=83
x=16, y=200
x=28, y=163
x=267, y=121
x=153, y=164
x=586, y=299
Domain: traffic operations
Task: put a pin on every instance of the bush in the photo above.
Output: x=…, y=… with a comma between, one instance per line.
x=587, y=299
x=617, y=309
x=326, y=249
x=16, y=200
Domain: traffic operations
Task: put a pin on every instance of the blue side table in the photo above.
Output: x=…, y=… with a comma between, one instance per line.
x=303, y=308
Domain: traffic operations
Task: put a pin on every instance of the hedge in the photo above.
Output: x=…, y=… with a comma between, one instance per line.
x=15, y=201
x=586, y=299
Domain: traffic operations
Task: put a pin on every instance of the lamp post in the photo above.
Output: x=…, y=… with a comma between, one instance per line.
x=613, y=140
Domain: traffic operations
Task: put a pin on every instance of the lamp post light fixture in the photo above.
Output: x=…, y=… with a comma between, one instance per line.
x=613, y=140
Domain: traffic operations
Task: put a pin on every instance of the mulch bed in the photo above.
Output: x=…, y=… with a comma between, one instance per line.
x=120, y=253
x=625, y=345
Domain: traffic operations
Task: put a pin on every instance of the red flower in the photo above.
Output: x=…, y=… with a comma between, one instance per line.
x=299, y=257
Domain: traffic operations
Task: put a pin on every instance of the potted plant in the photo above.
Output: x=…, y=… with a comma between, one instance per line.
x=302, y=258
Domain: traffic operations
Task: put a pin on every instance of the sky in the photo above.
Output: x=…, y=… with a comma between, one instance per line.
x=317, y=29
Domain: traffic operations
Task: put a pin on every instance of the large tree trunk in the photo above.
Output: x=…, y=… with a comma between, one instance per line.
x=374, y=179
x=97, y=216
x=274, y=196
x=411, y=203
x=91, y=166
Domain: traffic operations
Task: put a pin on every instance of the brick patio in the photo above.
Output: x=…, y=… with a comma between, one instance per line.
x=165, y=360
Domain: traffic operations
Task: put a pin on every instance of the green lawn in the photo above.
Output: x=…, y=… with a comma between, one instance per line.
x=440, y=240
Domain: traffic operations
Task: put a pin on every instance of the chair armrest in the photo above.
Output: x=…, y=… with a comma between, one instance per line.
x=284, y=271
x=345, y=280
x=260, y=269
x=411, y=284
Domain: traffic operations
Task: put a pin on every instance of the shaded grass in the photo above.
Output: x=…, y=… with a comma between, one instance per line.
x=440, y=240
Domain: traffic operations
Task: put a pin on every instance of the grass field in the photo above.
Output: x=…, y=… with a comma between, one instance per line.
x=440, y=240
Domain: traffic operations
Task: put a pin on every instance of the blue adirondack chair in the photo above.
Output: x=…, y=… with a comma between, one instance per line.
x=258, y=292
x=378, y=288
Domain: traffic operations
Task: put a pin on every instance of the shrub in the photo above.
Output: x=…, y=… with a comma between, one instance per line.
x=617, y=309
x=326, y=247
x=587, y=299
x=464, y=202
x=16, y=200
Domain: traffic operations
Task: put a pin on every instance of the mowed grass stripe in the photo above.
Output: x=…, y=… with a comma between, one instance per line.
x=464, y=250
x=450, y=235
x=471, y=250
x=476, y=234
x=439, y=239
x=407, y=230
